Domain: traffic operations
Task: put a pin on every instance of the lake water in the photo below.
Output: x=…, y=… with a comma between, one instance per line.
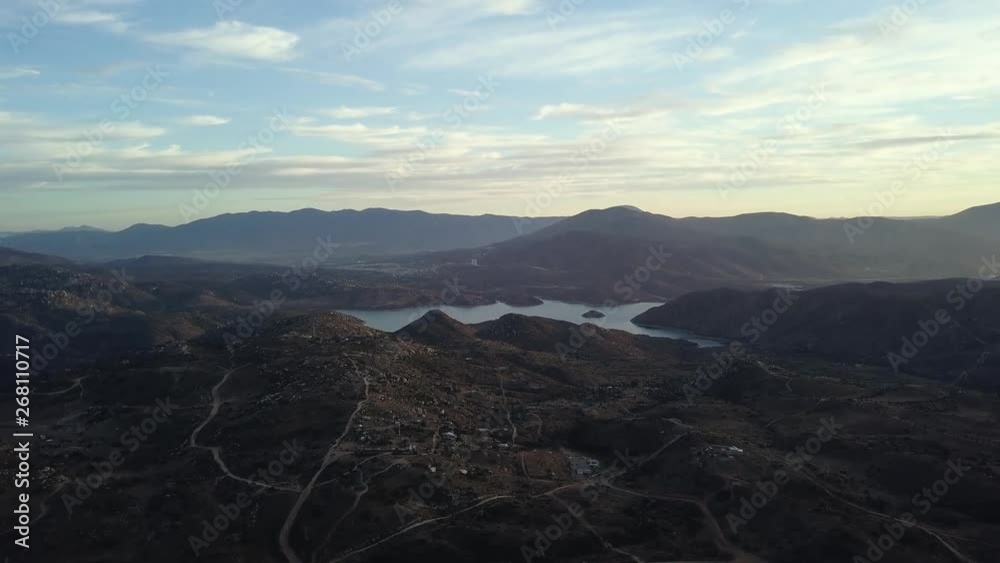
x=619, y=318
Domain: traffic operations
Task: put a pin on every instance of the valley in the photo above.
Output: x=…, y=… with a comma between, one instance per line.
x=494, y=409
x=423, y=440
x=500, y=281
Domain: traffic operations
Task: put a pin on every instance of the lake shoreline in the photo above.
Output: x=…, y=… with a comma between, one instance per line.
x=616, y=318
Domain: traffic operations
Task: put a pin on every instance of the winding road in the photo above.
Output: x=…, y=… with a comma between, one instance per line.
x=329, y=458
x=418, y=525
x=217, y=451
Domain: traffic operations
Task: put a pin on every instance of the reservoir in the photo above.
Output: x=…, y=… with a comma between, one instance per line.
x=617, y=318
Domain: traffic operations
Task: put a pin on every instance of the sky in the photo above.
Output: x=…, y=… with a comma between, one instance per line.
x=117, y=112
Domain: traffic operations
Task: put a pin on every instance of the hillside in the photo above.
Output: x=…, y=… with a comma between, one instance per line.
x=982, y=222
x=92, y=315
x=11, y=257
x=351, y=444
x=855, y=323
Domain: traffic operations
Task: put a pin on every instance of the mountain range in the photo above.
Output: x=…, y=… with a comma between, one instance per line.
x=620, y=253
x=623, y=254
x=277, y=236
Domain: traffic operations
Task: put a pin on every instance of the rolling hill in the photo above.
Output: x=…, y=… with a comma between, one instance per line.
x=857, y=323
x=982, y=221
x=10, y=257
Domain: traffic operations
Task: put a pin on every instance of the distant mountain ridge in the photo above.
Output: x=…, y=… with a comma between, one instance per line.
x=982, y=221
x=595, y=247
x=626, y=254
x=279, y=236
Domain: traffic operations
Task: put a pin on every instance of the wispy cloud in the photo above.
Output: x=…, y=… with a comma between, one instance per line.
x=591, y=112
x=233, y=40
x=344, y=112
x=574, y=111
x=413, y=89
x=629, y=39
x=888, y=98
x=106, y=20
x=203, y=120
x=338, y=79
x=8, y=73
x=111, y=69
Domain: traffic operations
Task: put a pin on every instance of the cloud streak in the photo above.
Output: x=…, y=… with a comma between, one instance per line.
x=233, y=40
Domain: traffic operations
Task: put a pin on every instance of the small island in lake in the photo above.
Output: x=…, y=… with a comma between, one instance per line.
x=592, y=314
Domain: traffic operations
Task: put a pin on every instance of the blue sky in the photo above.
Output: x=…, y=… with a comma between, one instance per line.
x=124, y=111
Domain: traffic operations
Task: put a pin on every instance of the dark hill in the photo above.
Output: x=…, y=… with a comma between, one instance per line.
x=861, y=323
x=567, y=339
x=437, y=329
x=10, y=257
x=982, y=222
